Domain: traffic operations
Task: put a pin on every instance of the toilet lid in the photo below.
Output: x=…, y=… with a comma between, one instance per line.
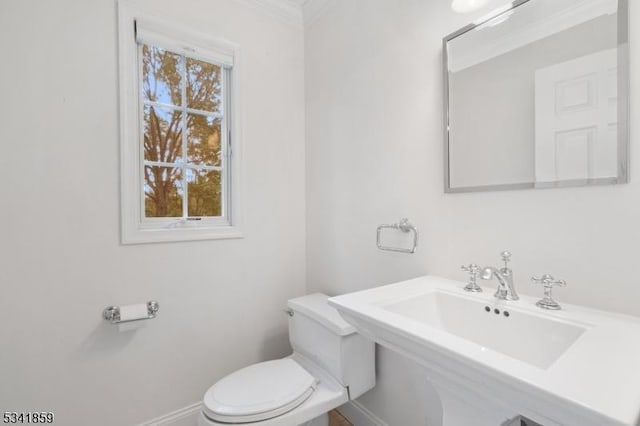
x=259, y=392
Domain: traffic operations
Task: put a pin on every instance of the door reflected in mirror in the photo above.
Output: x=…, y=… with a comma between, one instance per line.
x=537, y=96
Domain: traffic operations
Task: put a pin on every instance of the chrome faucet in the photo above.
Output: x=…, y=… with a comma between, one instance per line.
x=506, y=289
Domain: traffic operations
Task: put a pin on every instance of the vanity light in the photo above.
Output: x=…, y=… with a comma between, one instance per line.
x=467, y=6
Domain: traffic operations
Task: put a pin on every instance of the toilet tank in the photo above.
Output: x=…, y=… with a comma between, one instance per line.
x=319, y=333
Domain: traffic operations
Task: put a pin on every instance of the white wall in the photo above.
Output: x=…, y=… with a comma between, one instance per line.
x=374, y=154
x=60, y=258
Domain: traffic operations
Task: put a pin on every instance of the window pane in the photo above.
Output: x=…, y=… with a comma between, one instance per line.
x=205, y=193
x=204, y=86
x=204, y=140
x=162, y=192
x=162, y=135
x=161, y=75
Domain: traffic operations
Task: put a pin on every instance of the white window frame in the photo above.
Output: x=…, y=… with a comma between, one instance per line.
x=134, y=25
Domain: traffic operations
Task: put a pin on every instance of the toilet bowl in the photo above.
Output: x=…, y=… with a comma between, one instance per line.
x=331, y=364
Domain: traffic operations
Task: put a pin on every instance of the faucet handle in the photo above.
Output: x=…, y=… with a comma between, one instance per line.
x=472, y=268
x=506, y=258
x=474, y=272
x=549, y=283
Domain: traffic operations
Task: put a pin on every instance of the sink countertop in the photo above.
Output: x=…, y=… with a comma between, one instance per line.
x=598, y=373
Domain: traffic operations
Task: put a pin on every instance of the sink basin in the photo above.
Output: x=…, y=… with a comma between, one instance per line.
x=534, y=339
x=491, y=360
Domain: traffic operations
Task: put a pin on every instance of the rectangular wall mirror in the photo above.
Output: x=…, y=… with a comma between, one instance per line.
x=536, y=96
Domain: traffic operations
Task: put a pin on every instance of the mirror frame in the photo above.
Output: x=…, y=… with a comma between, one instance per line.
x=623, y=108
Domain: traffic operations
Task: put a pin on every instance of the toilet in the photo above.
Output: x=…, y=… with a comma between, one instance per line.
x=330, y=365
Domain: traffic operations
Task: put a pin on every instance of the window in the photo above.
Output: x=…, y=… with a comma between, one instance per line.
x=179, y=138
x=183, y=135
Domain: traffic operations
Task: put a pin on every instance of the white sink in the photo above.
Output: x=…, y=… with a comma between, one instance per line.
x=534, y=339
x=492, y=360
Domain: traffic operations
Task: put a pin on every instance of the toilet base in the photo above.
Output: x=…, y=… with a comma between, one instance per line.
x=322, y=420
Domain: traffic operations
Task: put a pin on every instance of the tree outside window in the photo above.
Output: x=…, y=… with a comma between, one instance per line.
x=183, y=116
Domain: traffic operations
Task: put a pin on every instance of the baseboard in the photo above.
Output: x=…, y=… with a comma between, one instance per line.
x=186, y=416
x=354, y=411
x=360, y=415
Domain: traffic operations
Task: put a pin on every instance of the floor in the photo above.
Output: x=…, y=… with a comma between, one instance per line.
x=336, y=419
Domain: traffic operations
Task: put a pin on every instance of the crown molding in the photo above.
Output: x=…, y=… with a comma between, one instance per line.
x=298, y=13
x=313, y=9
x=287, y=11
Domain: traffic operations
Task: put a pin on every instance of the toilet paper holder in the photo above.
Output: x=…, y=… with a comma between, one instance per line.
x=112, y=313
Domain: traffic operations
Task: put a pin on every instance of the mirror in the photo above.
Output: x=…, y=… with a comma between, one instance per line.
x=536, y=96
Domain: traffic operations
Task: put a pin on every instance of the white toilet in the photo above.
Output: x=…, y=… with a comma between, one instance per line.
x=330, y=365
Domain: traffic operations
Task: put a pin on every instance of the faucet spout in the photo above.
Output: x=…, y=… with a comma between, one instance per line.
x=487, y=272
x=506, y=290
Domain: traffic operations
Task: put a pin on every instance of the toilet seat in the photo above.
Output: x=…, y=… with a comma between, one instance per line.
x=259, y=392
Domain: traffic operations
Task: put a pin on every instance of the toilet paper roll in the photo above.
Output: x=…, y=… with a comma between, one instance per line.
x=134, y=312
x=131, y=326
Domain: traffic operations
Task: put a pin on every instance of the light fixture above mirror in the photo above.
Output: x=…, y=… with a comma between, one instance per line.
x=467, y=6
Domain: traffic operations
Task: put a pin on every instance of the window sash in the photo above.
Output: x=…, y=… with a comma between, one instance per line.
x=187, y=109
x=225, y=140
x=192, y=166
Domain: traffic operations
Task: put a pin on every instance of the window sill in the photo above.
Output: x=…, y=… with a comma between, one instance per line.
x=163, y=235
